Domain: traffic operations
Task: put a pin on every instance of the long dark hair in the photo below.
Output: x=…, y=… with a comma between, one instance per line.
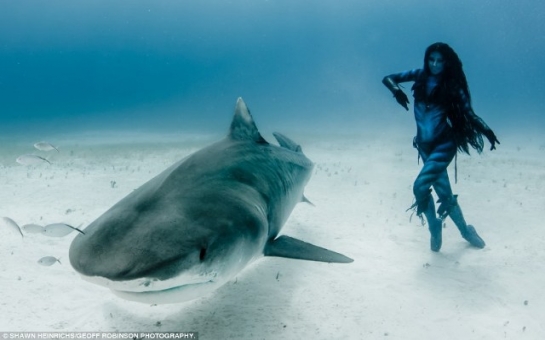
x=453, y=80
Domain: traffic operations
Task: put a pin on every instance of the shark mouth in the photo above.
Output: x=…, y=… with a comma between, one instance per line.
x=177, y=294
x=153, y=291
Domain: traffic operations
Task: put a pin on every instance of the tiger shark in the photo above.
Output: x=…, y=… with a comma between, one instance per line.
x=196, y=225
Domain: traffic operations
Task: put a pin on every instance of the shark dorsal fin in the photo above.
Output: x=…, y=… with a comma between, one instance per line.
x=243, y=126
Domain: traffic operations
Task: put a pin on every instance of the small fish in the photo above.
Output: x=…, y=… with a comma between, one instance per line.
x=59, y=230
x=32, y=228
x=45, y=146
x=31, y=160
x=48, y=261
x=12, y=224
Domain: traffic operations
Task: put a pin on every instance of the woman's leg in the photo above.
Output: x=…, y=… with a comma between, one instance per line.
x=450, y=207
x=434, y=173
x=442, y=187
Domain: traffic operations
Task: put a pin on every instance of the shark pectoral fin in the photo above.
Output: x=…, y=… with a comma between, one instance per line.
x=306, y=200
x=289, y=247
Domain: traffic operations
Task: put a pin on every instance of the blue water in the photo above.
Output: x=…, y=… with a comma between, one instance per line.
x=168, y=65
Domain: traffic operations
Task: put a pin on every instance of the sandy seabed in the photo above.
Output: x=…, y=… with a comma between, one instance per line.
x=361, y=187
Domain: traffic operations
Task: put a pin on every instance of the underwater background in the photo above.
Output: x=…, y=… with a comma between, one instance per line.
x=169, y=66
x=126, y=88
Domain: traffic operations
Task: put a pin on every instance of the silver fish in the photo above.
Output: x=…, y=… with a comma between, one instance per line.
x=32, y=228
x=45, y=146
x=12, y=224
x=48, y=261
x=59, y=230
x=31, y=160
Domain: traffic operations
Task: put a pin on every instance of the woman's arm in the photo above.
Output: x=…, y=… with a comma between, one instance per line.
x=392, y=83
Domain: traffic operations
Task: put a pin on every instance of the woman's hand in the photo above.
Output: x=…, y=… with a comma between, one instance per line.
x=401, y=98
x=491, y=136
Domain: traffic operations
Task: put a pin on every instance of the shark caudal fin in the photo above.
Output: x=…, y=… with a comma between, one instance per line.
x=292, y=248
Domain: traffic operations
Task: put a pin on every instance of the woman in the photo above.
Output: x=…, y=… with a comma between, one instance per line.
x=445, y=124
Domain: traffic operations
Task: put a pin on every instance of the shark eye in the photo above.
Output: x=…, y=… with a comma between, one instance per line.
x=202, y=254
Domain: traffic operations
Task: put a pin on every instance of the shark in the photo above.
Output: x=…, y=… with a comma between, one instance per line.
x=199, y=223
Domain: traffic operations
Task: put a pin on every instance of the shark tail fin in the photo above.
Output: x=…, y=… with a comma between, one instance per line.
x=292, y=248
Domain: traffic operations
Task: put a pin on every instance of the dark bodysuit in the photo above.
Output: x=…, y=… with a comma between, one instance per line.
x=434, y=138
